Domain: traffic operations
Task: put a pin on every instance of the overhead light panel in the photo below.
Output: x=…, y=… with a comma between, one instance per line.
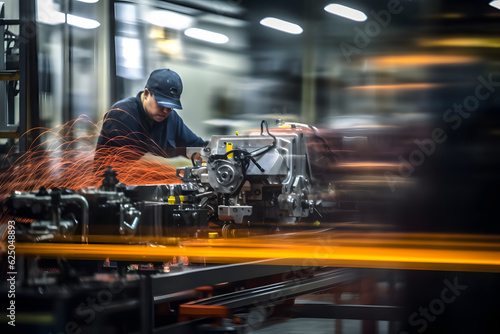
x=495, y=3
x=53, y=18
x=281, y=25
x=206, y=35
x=82, y=22
x=89, y=1
x=169, y=19
x=48, y=14
x=347, y=12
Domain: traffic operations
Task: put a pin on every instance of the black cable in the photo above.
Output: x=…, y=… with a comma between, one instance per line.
x=244, y=157
x=267, y=148
x=257, y=164
x=192, y=159
x=267, y=130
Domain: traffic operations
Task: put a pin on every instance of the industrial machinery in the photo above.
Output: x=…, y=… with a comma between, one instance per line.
x=235, y=181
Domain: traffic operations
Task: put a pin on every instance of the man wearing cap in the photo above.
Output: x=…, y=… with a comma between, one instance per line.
x=148, y=122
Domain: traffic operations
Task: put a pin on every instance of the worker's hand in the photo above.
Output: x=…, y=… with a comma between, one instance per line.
x=177, y=162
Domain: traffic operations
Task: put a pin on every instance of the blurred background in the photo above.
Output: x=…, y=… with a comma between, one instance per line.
x=410, y=88
x=412, y=61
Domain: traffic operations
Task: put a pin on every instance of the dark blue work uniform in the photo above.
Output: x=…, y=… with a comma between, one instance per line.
x=127, y=124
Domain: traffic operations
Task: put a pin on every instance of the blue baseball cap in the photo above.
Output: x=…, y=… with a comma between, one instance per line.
x=166, y=86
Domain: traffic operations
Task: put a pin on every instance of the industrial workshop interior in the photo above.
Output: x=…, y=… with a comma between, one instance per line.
x=249, y=166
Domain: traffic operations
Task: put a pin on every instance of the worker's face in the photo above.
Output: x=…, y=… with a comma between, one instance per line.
x=156, y=112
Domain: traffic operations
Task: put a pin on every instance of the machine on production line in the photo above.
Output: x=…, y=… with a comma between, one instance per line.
x=256, y=179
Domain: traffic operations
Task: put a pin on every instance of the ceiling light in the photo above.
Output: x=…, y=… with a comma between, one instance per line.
x=46, y=13
x=206, y=35
x=495, y=3
x=82, y=22
x=53, y=18
x=168, y=19
x=89, y=1
x=347, y=12
x=281, y=25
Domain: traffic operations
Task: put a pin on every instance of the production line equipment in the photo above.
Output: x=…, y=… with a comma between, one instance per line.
x=236, y=181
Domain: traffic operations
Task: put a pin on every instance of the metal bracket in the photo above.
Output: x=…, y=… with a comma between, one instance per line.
x=234, y=212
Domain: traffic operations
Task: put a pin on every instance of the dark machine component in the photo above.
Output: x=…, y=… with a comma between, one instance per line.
x=146, y=212
x=137, y=211
x=57, y=214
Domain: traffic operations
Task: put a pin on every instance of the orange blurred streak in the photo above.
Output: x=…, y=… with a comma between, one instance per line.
x=465, y=42
x=422, y=60
x=395, y=251
x=367, y=165
x=396, y=87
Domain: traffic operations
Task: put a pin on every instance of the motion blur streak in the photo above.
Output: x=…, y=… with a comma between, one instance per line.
x=391, y=88
x=457, y=252
x=464, y=42
x=415, y=60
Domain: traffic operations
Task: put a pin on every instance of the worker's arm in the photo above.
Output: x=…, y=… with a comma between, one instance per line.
x=184, y=137
x=177, y=162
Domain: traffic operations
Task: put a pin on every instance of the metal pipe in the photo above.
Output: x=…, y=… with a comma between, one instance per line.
x=133, y=225
x=9, y=22
x=66, y=199
x=204, y=194
x=85, y=213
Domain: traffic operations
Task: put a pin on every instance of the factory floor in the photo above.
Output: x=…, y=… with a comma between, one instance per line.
x=316, y=326
x=312, y=325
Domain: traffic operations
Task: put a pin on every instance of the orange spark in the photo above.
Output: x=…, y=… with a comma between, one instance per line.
x=63, y=157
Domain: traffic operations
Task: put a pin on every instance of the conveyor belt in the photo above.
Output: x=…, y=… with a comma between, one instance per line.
x=287, y=289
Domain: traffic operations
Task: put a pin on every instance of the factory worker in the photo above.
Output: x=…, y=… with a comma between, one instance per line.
x=149, y=123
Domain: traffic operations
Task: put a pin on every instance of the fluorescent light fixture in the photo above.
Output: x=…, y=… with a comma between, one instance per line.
x=495, y=3
x=347, y=12
x=53, y=18
x=206, y=35
x=281, y=25
x=89, y=1
x=47, y=13
x=82, y=22
x=168, y=19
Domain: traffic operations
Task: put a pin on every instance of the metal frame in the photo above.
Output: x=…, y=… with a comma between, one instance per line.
x=7, y=129
x=29, y=111
x=165, y=284
x=162, y=285
x=287, y=289
x=3, y=74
